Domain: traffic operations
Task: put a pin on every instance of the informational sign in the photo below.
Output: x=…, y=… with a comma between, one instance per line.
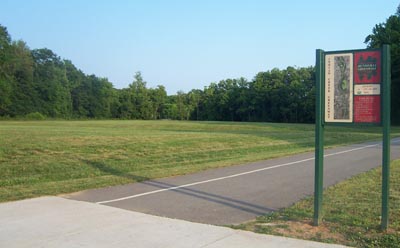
x=353, y=87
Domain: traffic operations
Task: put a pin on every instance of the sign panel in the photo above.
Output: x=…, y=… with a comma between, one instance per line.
x=353, y=86
x=339, y=88
x=367, y=89
x=367, y=67
x=367, y=109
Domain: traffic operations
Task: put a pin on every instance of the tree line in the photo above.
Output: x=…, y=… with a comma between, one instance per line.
x=39, y=82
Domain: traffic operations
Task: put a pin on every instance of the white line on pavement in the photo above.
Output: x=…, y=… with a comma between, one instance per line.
x=238, y=174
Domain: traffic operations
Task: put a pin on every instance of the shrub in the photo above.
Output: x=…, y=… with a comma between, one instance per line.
x=35, y=116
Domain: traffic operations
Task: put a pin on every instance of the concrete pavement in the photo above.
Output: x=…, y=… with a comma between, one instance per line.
x=59, y=222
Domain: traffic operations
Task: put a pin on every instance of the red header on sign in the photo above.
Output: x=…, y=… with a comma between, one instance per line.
x=367, y=67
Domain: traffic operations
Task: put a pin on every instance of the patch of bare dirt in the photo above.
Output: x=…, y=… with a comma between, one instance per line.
x=305, y=230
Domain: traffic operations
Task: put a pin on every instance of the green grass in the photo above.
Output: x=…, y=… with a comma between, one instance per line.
x=53, y=157
x=351, y=211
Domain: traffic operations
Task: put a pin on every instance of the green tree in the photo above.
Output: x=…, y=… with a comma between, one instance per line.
x=209, y=104
x=158, y=98
x=78, y=90
x=389, y=33
x=194, y=103
x=141, y=101
x=20, y=70
x=100, y=97
x=5, y=77
x=51, y=83
x=182, y=106
x=5, y=38
x=243, y=98
x=124, y=108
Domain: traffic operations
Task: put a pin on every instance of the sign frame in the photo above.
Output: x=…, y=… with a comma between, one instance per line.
x=384, y=123
x=352, y=84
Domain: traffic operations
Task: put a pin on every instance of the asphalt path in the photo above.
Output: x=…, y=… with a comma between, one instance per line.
x=236, y=194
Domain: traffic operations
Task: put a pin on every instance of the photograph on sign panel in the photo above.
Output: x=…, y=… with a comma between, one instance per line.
x=342, y=84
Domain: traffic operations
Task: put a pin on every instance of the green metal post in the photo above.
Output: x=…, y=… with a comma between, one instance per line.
x=386, y=137
x=319, y=139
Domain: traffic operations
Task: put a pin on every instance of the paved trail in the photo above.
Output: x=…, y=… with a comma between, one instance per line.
x=237, y=194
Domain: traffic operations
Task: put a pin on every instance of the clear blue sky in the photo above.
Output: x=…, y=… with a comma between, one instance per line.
x=189, y=44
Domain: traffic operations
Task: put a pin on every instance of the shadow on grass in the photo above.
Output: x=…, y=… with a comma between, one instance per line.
x=113, y=171
x=215, y=198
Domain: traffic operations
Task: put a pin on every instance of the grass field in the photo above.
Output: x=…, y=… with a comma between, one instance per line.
x=351, y=213
x=53, y=157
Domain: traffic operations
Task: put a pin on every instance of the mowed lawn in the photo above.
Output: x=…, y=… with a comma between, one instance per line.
x=53, y=157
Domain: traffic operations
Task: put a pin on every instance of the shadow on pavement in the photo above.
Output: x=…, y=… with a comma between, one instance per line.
x=223, y=200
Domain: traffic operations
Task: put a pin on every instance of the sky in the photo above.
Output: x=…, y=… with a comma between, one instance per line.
x=186, y=45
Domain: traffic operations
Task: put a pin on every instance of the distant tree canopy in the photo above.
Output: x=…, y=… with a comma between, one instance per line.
x=39, y=83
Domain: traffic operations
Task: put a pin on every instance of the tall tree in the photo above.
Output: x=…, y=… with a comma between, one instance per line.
x=194, y=102
x=182, y=106
x=140, y=98
x=158, y=98
x=51, y=83
x=389, y=33
x=5, y=77
x=20, y=69
x=124, y=107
